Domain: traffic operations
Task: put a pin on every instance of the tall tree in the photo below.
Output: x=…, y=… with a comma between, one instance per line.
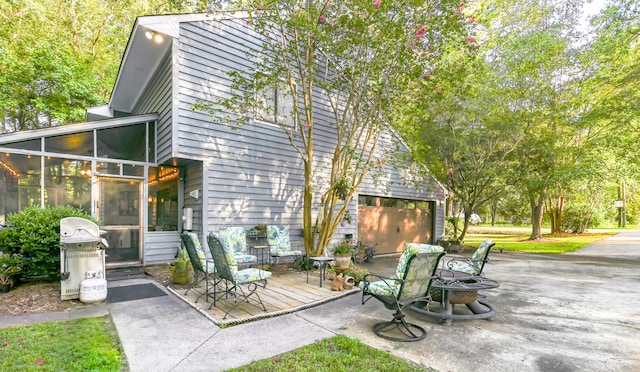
x=533, y=46
x=59, y=57
x=459, y=134
x=360, y=56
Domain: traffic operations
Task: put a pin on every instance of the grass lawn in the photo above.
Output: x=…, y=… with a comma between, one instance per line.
x=516, y=241
x=88, y=344
x=338, y=353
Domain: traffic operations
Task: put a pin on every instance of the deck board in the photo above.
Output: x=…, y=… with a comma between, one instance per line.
x=285, y=292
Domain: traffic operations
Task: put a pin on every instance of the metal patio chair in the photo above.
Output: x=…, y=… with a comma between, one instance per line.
x=410, y=285
x=237, y=283
x=475, y=264
x=201, y=265
x=280, y=243
x=236, y=238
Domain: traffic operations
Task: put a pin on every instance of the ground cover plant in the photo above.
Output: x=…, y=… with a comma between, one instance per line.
x=88, y=344
x=339, y=353
x=551, y=243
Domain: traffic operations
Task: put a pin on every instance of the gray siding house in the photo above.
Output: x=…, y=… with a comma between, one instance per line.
x=145, y=159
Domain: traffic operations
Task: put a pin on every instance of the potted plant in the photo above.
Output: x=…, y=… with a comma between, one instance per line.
x=343, y=253
x=346, y=219
x=343, y=187
x=181, y=270
x=182, y=259
x=10, y=268
x=357, y=273
x=258, y=231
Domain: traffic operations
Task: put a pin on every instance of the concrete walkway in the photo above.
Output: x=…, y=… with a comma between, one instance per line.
x=569, y=312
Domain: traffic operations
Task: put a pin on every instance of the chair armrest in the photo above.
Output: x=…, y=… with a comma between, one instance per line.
x=378, y=278
x=388, y=281
x=453, y=260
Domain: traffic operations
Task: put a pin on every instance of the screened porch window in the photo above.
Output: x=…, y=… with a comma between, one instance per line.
x=126, y=143
x=19, y=183
x=67, y=182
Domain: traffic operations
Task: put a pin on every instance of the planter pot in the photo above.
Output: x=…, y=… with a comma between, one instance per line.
x=4, y=288
x=343, y=261
x=182, y=276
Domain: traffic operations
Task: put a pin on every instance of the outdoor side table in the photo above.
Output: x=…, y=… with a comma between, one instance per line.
x=261, y=248
x=322, y=260
x=452, y=287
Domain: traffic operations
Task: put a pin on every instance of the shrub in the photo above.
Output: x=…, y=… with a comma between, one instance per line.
x=35, y=233
x=577, y=218
x=357, y=272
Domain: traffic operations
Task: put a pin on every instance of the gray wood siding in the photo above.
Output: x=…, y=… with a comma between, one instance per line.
x=193, y=177
x=157, y=98
x=160, y=246
x=252, y=175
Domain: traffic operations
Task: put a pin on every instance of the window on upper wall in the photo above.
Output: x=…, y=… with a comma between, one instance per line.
x=275, y=105
x=389, y=202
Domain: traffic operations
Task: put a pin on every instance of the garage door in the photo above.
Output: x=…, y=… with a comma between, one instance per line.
x=390, y=223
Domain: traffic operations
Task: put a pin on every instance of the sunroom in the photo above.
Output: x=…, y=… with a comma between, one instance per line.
x=108, y=169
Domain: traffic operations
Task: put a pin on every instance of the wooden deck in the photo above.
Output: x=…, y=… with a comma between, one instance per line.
x=286, y=292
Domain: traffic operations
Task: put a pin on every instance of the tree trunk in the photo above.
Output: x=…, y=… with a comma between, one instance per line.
x=555, y=208
x=307, y=208
x=493, y=209
x=537, y=212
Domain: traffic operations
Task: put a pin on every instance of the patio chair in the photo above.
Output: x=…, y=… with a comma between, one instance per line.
x=475, y=264
x=201, y=265
x=410, y=285
x=280, y=243
x=243, y=283
x=236, y=238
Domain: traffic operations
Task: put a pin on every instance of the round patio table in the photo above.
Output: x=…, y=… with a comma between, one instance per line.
x=452, y=287
x=322, y=260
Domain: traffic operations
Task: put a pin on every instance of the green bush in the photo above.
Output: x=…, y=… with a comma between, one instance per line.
x=357, y=272
x=35, y=233
x=577, y=218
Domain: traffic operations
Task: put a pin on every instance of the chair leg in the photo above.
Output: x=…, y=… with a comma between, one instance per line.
x=244, y=296
x=404, y=331
x=196, y=282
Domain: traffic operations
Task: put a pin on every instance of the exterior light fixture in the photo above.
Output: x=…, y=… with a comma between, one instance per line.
x=156, y=37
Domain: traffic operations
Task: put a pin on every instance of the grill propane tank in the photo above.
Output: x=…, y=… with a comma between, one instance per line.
x=93, y=288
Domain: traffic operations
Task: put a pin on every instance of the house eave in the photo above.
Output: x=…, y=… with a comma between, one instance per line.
x=142, y=55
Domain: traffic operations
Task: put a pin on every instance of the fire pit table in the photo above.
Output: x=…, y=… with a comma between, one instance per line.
x=456, y=287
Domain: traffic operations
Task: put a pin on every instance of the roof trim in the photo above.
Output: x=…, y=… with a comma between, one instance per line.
x=142, y=57
x=74, y=128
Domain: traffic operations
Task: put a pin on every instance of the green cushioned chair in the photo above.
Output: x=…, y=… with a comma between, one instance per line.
x=475, y=264
x=236, y=238
x=237, y=283
x=203, y=268
x=410, y=285
x=280, y=243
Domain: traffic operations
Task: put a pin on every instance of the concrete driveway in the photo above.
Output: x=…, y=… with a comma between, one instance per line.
x=571, y=312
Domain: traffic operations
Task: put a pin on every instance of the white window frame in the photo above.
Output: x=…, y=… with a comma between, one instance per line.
x=274, y=107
